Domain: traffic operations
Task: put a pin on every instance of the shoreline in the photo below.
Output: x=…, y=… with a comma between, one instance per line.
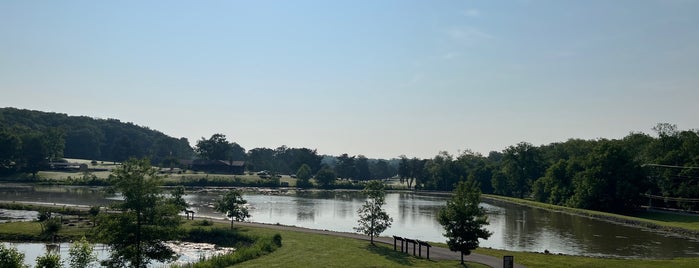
x=631, y=221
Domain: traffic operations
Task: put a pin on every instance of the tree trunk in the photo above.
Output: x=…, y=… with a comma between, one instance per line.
x=462, y=258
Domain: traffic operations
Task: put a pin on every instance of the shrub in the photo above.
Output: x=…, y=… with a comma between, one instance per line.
x=11, y=257
x=49, y=260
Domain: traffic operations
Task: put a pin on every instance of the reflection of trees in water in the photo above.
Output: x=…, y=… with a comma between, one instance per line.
x=305, y=209
x=538, y=229
x=414, y=207
x=78, y=195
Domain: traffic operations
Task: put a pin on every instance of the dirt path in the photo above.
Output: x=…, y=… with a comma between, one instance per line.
x=437, y=253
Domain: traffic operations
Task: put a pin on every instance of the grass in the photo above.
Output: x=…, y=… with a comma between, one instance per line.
x=316, y=250
x=31, y=231
x=540, y=260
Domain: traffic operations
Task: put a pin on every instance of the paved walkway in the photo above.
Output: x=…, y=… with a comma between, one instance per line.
x=437, y=253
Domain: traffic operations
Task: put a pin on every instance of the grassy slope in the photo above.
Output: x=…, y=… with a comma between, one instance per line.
x=315, y=250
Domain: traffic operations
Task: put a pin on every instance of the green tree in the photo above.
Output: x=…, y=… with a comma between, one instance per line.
x=9, y=151
x=325, y=177
x=361, y=167
x=34, y=153
x=233, y=205
x=55, y=143
x=610, y=181
x=82, y=254
x=48, y=260
x=522, y=165
x=218, y=148
x=147, y=218
x=381, y=170
x=463, y=220
x=303, y=175
x=11, y=257
x=345, y=168
x=373, y=219
x=178, y=198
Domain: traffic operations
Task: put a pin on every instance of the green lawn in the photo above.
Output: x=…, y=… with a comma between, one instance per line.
x=315, y=250
x=540, y=260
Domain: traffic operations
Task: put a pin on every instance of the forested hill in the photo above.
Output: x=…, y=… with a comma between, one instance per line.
x=91, y=138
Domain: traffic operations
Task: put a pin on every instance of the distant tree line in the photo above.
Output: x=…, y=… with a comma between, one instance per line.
x=285, y=160
x=49, y=136
x=615, y=175
x=602, y=174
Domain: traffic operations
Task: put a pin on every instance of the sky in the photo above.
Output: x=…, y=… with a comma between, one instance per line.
x=376, y=78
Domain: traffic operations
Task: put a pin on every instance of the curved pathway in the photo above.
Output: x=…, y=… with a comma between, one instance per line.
x=437, y=253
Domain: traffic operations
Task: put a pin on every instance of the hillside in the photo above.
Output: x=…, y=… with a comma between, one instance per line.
x=99, y=139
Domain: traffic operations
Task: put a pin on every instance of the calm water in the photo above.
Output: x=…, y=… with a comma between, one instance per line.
x=514, y=227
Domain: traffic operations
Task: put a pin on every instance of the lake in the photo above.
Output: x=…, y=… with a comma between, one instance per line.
x=514, y=227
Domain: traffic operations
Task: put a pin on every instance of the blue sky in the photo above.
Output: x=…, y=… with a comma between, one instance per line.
x=378, y=78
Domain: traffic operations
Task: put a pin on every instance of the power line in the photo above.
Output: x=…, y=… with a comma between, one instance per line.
x=668, y=166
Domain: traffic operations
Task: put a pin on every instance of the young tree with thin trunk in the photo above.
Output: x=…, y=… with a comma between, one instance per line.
x=82, y=254
x=373, y=219
x=463, y=220
x=145, y=219
x=233, y=205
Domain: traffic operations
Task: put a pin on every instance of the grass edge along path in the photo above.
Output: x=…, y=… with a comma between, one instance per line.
x=677, y=225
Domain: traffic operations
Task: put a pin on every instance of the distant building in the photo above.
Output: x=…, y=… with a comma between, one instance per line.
x=215, y=166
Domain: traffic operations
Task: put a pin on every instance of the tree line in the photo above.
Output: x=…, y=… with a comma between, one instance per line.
x=285, y=160
x=30, y=139
x=616, y=175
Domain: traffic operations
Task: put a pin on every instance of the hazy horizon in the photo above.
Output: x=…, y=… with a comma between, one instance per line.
x=381, y=79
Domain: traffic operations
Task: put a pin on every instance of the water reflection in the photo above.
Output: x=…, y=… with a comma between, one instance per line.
x=514, y=227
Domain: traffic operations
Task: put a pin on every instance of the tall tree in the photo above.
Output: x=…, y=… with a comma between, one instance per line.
x=463, y=220
x=522, y=165
x=345, y=168
x=381, y=170
x=610, y=181
x=9, y=151
x=325, y=177
x=215, y=148
x=145, y=220
x=361, y=166
x=233, y=205
x=373, y=219
x=303, y=175
x=34, y=153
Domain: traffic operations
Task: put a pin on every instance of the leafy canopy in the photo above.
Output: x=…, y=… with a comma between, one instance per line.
x=233, y=205
x=373, y=219
x=145, y=220
x=463, y=220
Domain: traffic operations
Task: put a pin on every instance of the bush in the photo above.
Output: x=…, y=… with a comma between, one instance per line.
x=49, y=260
x=262, y=246
x=203, y=223
x=11, y=257
x=277, y=239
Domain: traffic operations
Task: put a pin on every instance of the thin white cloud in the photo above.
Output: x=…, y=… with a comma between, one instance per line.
x=467, y=34
x=472, y=12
